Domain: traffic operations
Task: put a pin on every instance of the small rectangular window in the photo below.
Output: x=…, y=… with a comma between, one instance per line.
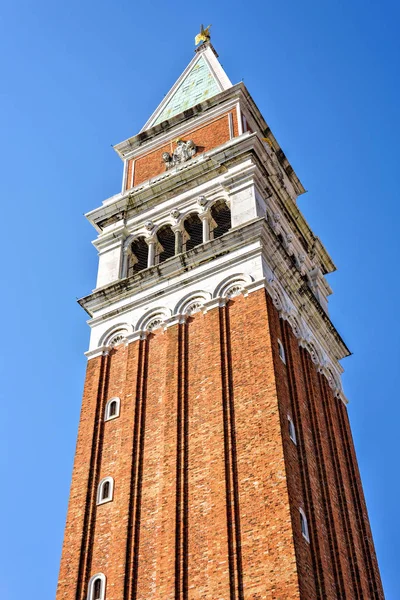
x=292, y=430
x=281, y=351
x=304, y=525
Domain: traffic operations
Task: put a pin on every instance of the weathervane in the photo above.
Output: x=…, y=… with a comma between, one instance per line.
x=203, y=36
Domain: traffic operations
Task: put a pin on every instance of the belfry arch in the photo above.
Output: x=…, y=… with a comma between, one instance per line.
x=221, y=218
x=137, y=256
x=193, y=231
x=166, y=243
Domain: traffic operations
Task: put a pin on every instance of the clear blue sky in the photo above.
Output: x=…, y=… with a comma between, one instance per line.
x=77, y=77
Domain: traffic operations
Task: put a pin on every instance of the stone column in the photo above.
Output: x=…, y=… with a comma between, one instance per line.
x=205, y=217
x=178, y=240
x=151, y=242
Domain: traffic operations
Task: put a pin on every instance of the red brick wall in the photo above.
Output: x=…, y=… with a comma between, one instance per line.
x=323, y=479
x=208, y=483
x=70, y=572
x=128, y=178
x=205, y=137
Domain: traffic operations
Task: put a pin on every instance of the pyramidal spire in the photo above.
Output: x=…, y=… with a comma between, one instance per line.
x=203, y=78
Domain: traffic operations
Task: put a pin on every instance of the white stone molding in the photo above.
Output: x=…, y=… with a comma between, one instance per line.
x=100, y=351
x=298, y=327
x=115, y=335
x=304, y=263
x=135, y=336
x=192, y=303
x=90, y=594
x=109, y=498
x=124, y=182
x=305, y=338
x=178, y=319
x=107, y=415
x=153, y=319
x=279, y=298
x=214, y=303
x=232, y=286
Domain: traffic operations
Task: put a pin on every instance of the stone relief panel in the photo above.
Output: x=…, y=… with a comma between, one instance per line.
x=183, y=152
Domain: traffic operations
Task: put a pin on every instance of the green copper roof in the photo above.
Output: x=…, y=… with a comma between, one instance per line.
x=198, y=85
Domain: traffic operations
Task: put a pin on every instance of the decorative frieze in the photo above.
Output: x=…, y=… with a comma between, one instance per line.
x=229, y=287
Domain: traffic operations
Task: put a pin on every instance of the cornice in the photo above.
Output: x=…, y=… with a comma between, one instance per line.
x=260, y=239
x=189, y=115
x=225, y=161
x=201, y=112
x=231, y=286
x=172, y=268
x=213, y=114
x=188, y=175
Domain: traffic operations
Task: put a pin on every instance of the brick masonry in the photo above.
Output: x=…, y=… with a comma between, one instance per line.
x=206, y=137
x=208, y=483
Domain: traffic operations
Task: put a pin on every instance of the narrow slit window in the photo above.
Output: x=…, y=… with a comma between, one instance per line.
x=281, y=352
x=292, y=430
x=304, y=525
x=105, y=490
x=97, y=589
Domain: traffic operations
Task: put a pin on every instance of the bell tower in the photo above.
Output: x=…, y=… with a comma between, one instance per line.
x=214, y=457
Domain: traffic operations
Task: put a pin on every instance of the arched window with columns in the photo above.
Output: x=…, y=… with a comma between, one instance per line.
x=194, y=232
x=137, y=256
x=166, y=243
x=221, y=216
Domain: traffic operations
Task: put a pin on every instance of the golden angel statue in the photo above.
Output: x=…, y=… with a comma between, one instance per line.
x=203, y=36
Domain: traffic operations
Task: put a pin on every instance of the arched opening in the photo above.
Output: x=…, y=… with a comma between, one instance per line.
x=105, y=491
x=112, y=409
x=97, y=589
x=166, y=239
x=221, y=215
x=137, y=257
x=194, y=229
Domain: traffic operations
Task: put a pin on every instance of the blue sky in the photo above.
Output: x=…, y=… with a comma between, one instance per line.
x=78, y=77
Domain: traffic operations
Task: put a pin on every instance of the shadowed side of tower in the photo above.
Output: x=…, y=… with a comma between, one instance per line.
x=214, y=455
